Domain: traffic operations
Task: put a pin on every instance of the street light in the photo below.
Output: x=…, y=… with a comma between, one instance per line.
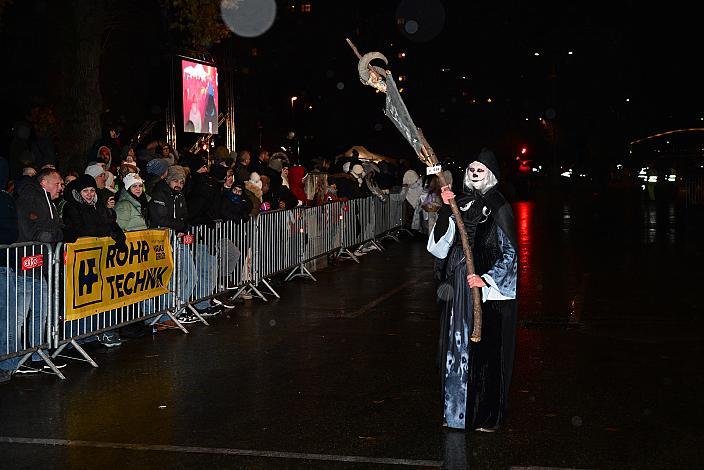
x=293, y=99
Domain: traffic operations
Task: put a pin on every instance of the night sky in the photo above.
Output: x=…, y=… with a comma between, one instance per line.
x=633, y=71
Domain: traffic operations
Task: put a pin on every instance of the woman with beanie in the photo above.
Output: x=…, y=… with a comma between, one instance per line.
x=132, y=208
x=84, y=217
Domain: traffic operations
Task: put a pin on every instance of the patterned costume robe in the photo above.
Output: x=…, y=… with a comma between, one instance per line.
x=475, y=376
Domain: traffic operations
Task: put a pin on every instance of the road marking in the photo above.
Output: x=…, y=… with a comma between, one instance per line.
x=541, y=468
x=365, y=308
x=221, y=451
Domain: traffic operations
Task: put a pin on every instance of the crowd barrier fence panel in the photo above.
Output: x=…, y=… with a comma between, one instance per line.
x=26, y=283
x=76, y=331
x=320, y=236
x=221, y=254
x=323, y=230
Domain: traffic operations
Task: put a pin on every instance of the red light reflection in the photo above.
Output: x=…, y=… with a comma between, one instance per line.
x=524, y=212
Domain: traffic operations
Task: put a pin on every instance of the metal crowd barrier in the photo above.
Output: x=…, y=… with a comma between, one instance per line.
x=211, y=260
x=75, y=332
x=26, y=283
x=217, y=258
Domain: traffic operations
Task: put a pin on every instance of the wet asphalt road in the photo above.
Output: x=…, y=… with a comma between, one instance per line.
x=340, y=373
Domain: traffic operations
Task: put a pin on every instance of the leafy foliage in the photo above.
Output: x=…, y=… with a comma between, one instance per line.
x=198, y=21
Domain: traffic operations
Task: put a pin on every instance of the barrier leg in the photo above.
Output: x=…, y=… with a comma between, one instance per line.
x=81, y=351
x=198, y=315
x=173, y=318
x=377, y=245
x=248, y=289
x=258, y=292
x=300, y=271
x=23, y=360
x=48, y=361
x=271, y=289
x=344, y=253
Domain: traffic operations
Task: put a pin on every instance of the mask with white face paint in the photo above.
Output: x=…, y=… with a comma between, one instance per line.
x=479, y=178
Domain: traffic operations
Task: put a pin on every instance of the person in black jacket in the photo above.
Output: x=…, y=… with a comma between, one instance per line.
x=85, y=217
x=235, y=206
x=37, y=217
x=168, y=208
x=203, y=199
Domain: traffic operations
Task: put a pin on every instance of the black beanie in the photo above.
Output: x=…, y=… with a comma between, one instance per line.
x=85, y=181
x=488, y=159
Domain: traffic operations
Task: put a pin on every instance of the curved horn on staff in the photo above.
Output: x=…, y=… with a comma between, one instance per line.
x=363, y=65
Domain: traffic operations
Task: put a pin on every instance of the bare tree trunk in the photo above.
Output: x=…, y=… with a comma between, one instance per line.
x=81, y=99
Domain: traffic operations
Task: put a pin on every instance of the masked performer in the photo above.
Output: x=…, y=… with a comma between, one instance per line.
x=475, y=376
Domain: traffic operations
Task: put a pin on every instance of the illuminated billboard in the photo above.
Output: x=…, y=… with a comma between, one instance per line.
x=200, y=97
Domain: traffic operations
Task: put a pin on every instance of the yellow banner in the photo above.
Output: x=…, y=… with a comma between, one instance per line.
x=100, y=277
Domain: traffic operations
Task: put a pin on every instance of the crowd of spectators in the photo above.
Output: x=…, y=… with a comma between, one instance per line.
x=156, y=187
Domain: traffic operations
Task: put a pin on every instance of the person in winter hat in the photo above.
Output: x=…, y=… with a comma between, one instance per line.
x=106, y=197
x=254, y=185
x=104, y=156
x=236, y=206
x=157, y=170
x=85, y=217
x=168, y=207
x=203, y=196
x=133, y=206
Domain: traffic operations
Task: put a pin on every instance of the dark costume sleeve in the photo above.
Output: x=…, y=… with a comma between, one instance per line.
x=502, y=276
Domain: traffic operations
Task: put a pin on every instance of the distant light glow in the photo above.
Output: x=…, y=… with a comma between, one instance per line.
x=536, y=54
x=570, y=53
x=690, y=129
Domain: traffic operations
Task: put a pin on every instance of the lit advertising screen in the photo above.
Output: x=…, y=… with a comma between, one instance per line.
x=200, y=97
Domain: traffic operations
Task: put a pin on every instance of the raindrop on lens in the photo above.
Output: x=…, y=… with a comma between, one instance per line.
x=411, y=26
x=340, y=85
x=248, y=18
x=272, y=322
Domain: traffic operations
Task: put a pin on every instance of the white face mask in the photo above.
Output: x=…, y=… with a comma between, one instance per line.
x=479, y=177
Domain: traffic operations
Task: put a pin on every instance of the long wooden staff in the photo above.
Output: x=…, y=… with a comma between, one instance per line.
x=428, y=157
